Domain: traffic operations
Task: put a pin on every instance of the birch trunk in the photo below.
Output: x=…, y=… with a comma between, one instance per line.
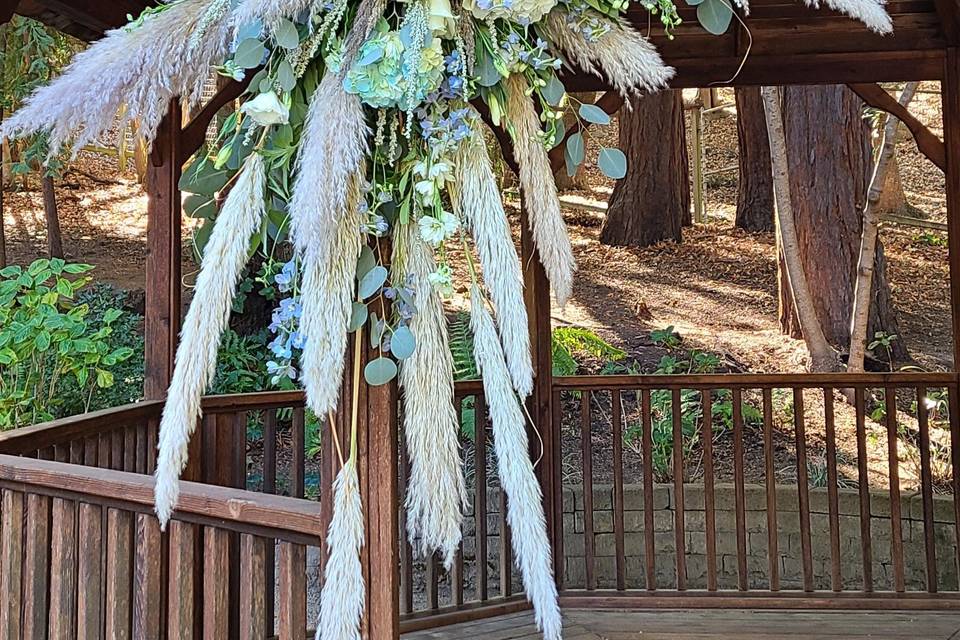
x=860, y=314
x=822, y=356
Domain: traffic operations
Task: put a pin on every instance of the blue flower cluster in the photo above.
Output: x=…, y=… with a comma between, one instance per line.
x=443, y=132
x=454, y=84
x=520, y=55
x=583, y=19
x=284, y=326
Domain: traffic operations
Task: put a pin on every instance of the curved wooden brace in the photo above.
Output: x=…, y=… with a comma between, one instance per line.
x=929, y=144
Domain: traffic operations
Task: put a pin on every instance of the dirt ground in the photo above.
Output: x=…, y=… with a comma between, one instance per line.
x=717, y=288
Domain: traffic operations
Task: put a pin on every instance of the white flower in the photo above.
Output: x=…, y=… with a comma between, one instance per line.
x=440, y=170
x=442, y=280
x=426, y=190
x=435, y=230
x=266, y=109
x=521, y=11
x=441, y=20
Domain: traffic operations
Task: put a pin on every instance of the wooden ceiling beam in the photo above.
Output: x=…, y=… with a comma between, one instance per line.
x=929, y=144
x=7, y=9
x=949, y=13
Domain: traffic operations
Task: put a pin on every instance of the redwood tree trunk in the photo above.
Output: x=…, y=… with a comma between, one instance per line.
x=54, y=242
x=652, y=203
x=755, y=185
x=828, y=147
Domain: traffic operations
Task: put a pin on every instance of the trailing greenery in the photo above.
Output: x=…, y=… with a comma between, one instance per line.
x=48, y=342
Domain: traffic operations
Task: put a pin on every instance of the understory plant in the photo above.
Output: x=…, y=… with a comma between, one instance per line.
x=47, y=342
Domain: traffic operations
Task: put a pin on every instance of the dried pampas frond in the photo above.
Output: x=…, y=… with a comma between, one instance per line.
x=524, y=501
x=368, y=12
x=268, y=12
x=143, y=66
x=223, y=260
x=477, y=200
x=622, y=56
x=870, y=12
x=540, y=191
x=342, y=597
x=333, y=144
x=435, y=489
x=327, y=302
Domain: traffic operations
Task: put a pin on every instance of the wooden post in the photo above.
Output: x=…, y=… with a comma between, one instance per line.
x=540, y=403
x=951, y=133
x=162, y=320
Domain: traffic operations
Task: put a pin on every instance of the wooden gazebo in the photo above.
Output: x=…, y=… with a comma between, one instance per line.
x=81, y=554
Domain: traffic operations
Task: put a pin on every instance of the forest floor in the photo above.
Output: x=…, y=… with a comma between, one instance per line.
x=717, y=289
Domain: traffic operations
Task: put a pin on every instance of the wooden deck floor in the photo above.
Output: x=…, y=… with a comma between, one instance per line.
x=714, y=625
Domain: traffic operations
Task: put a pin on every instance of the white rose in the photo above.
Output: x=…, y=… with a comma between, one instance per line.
x=441, y=19
x=266, y=109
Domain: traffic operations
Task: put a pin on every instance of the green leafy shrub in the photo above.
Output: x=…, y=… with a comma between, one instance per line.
x=569, y=343
x=46, y=340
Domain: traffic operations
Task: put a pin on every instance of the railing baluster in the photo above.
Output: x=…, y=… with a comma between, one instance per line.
x=293, y=591
x=11, y=567
x=803, y=488
x=104, y=459
x=63, y=570
x=618, y=533
x=119, y=573
x=116, y=450
x=130, y=448
x=270, y=486
x=433, y=583
x=480, y=503
x=863, y=479
x=559, y=557
x=586, y=450
x=36, y=566
x=836, y=581
x=297, y=472
x=152, y=441
x=239, y=449
x=506, y=550
x=254, y=624
x=709, y=495
x=181, y=595
x=896, y=526
x=770, y=476
x=650, y=560
x=678, y=512
x=216, y=582
x=739, y=490
x=406, y=551
x=926, y=491
x=89, y=573
x=146, y=579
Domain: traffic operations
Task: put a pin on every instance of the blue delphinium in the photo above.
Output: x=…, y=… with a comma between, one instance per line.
x=284, y=325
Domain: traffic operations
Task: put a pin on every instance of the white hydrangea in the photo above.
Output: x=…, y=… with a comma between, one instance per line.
x=521, y=11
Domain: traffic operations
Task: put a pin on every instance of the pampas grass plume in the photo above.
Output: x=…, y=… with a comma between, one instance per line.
x=870, y=12
x=478, y=202
x=435, y=489
x=223, y=260
x=342, y=596
x=623, y=56
x=525, y=515
x=141, y=66
x=540, y=191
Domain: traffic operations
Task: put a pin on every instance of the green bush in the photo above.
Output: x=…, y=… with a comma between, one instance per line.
x=47, y=342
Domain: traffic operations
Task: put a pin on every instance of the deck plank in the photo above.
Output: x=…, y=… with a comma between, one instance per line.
x=713, y=625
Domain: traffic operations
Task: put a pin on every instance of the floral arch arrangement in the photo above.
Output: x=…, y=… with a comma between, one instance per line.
x=360, y=122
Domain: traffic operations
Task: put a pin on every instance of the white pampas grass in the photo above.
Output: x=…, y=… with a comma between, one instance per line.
x=435, y=489
x=326, y=297
x=870, y=12
x=342, y=597
x=141, y=66
x=269, y=12
x=477, y=201
x=540, y=190
x=622, y=56
x=325, y=227
x=333, y=144
x=524, y=500
x=223, y=260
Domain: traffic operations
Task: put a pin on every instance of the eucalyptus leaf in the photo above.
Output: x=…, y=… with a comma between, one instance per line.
x=571, y=167
x=575, y=148
x=380, y=371
x=365, y=262
x=286, y=35
x=715, y=16
x=286, y=78
x=250, y=30
x=202, y=177
x=200, y=206
x=249, y=54
x=372, y=281
x=486, y=70
x=554, y=91
x=403, y=343
x=612, y=162
x=593, y=113
x=359, y=316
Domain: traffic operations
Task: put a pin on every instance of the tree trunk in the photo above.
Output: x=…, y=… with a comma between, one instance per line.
x=54, y=242
x=821, y=355
x=652, y=203
x=892, y=198
x=860, y=313
x=3, y=236
x=755, y=185
x=828, y=146
x=579, y=181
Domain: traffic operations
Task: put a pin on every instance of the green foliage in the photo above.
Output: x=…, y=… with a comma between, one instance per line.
x=930, y=239
x=667, y=338
x=240, y=364
x=46, y=340
x=883, y=340
x=571, y=342
x=461, y=348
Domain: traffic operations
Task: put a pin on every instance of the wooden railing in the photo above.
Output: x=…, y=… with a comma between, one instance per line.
x=645, y=530
x=81, y=555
